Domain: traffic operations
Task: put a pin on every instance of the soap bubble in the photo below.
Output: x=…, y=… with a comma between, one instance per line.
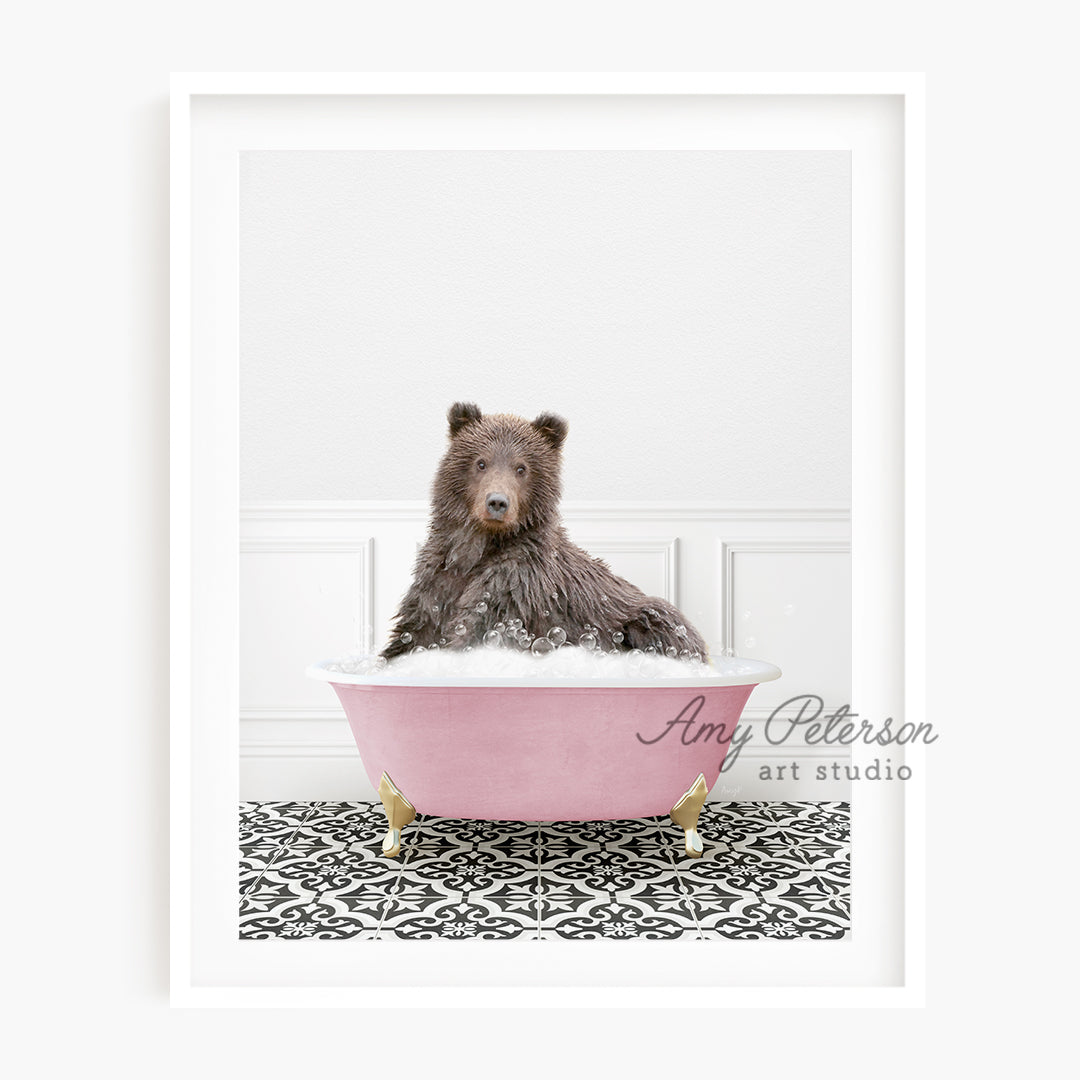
x=442, y=641
x=433, y=647
x=728, y=653
x=684, y=654
x=587, y=641
x=487, y=596
x=419, y=649
x=681, y=631
x=460, y=629
x=434, y=607
x=405, y=638
x=481, y=608
x=617, y=637
x=671, y=651
x=696, y=657
x=468, y=648
x=545, y=613
x=603, y=599
x=500, y=628
x=542, y=646
x=651, y=650
x=557, y=636
x=493, y=639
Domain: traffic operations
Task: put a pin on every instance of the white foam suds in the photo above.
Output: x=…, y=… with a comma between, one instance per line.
x=569, y=662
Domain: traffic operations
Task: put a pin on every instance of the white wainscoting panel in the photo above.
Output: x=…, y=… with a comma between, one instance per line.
x=651, y=563
x=788, y=601
x=299, y=596
x=321, y=579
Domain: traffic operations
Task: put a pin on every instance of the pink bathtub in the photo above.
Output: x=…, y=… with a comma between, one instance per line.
x=544, y=750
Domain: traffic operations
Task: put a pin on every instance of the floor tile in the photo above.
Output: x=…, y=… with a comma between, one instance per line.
x=820, y=894
x=321, y=870
x=464, y=879
x=769, y=870
x=626, y=915
x=265, y=832
x=303, y=917
x=425, y=907
x=760, y=917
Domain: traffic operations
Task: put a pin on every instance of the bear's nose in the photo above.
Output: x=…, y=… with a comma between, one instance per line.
x=497, y=505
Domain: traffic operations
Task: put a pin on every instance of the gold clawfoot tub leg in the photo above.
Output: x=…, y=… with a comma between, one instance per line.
x=685, y=814
x=399, y=812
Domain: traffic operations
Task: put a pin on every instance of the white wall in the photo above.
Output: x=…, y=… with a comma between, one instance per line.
x=318, y=580
x=687, y=312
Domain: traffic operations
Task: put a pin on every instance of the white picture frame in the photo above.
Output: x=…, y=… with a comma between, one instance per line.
x=214, y=116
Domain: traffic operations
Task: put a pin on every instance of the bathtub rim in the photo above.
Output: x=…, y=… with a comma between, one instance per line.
x=762, y=671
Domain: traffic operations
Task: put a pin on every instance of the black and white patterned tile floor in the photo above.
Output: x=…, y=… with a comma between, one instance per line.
x=770, y=870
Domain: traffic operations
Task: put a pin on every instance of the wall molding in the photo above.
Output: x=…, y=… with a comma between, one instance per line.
x=808, y=545
x=667, y=549
x=364, y=549
x=308, y=714
x=295, y=744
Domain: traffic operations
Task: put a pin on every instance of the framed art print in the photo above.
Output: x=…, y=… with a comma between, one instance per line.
x=705, y=293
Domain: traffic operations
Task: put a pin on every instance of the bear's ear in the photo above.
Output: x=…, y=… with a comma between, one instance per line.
x=461, y=413
x=552, y=427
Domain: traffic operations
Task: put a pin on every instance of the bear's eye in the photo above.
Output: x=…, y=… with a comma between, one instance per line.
x=521, y=470
x=481, y=466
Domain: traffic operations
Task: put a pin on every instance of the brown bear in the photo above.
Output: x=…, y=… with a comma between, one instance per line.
x=498, y=567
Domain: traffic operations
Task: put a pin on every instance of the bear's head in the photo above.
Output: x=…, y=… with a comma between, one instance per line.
x=500, y=474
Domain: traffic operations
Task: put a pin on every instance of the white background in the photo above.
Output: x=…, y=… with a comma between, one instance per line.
x=688, y=312
x=85, y=444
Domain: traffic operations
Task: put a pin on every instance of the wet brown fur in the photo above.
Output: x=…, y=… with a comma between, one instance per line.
x=523, y=566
